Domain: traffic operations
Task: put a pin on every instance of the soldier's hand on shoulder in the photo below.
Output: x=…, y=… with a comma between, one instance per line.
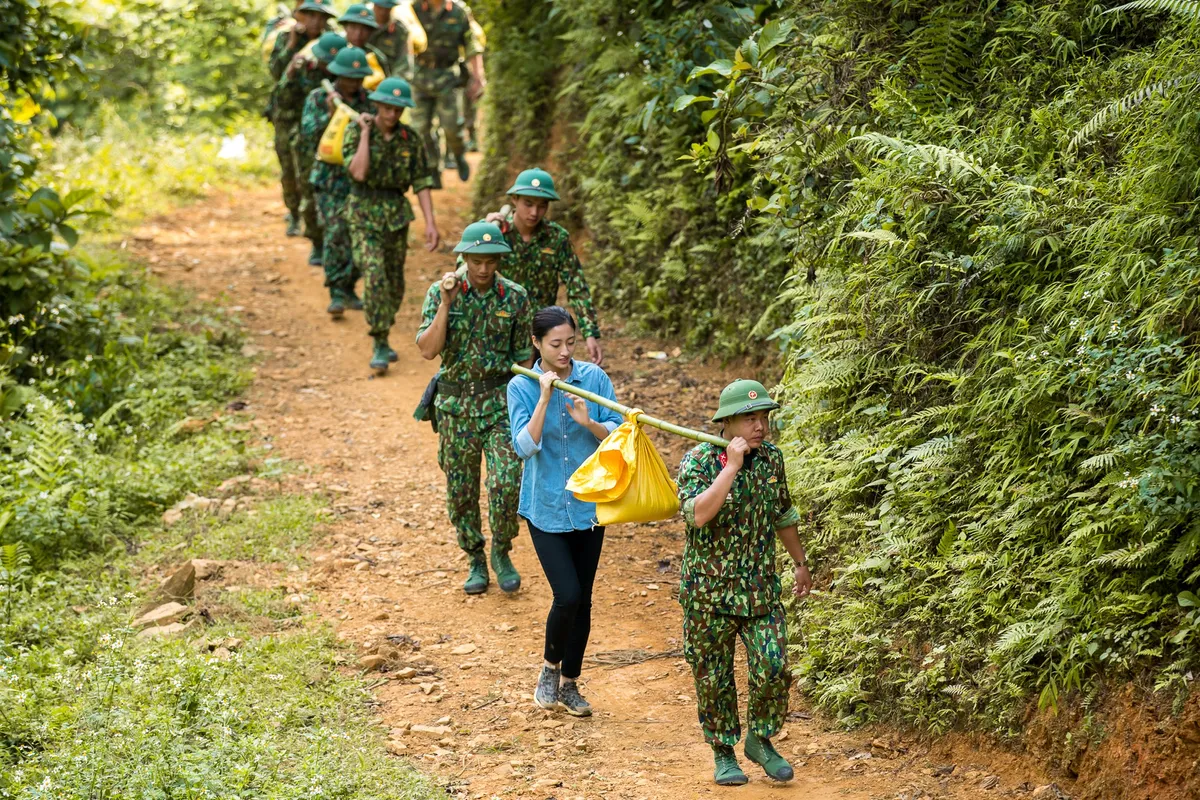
x=331, y=100
x=449, y=279
x=735, y=454
x=364, y=121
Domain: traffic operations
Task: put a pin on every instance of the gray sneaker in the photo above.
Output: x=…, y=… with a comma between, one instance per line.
x=546, y=693
x=572, y=701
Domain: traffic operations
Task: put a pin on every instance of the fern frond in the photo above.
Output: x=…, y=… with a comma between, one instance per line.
x=1125, y=105
x=1184, y=8
x=1104, y=461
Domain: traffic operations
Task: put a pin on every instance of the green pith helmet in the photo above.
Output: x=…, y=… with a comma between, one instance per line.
x=534, y=183
x=386, y=3
x=328, y=46
x=360, y=14
x=482, y=238
x=393, y=92
x=742, y=397
x=351, y=62
x=320, y=6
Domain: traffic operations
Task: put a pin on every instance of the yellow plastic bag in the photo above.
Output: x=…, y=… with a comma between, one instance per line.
x=626, y=479
x=417, y=40
x=329, y=149
x=282, y=29
x=376, y=77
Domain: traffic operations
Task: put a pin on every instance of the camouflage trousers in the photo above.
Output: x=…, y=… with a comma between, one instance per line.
x=338, y=257
x=379, y=257
x=443, y=106
x=469, y=111
x=287, y=171
x=313, y=230
x=708, y=645
x=463, y=441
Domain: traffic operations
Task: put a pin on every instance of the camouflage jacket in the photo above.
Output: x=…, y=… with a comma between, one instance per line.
x=292, y=90
x=729, y=564
x=487, y=333
x=396, y=166
x=544, y=262
x=331, y=178
x=391, y=42
x=447, y=26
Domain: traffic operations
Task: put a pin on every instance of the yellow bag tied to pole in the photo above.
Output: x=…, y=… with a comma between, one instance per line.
x=418, y=41
x=376, y=77
x=329, y=149
x=626, y=478
x=268, y=44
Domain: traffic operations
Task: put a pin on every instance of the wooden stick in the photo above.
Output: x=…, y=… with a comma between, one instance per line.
x=642, y=419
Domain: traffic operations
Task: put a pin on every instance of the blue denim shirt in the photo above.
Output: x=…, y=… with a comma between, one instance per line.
x=565, y=445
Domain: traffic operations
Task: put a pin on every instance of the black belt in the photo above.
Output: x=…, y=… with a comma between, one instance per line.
x=378, y=194
x=471, y=387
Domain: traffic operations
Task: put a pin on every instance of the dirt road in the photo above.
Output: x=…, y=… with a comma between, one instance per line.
x=389, y=573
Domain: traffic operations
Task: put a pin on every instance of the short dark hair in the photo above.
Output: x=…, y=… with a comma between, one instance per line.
x=551, y=317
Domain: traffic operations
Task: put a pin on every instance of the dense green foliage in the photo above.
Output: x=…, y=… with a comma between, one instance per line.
x=986, y=213
x=658, y=228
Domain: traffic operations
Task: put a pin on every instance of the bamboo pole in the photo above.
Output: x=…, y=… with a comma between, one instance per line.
x=643, y=419
x=327, y=86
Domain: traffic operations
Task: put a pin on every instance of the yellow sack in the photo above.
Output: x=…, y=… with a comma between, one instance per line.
x=329, y=149
x=268, y=44
x=417, y=40
x=626, y=479
x=376, y=77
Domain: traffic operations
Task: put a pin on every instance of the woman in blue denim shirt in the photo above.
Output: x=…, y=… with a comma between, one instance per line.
x=553, y=434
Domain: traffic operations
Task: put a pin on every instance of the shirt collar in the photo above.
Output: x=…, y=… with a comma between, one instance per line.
x=497, y=286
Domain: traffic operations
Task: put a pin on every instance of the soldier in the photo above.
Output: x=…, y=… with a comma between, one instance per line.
x=480, y=327
x=390, y=37
x=735, y=501
x=303, y=74
x=436, y=75
x=308, y=26
x=359, y=24
x=331, y=182
x=385, y=159
x=542, y=256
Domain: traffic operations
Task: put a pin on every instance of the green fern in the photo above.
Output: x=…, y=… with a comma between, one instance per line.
x=1187, y=8
x=1126, y=104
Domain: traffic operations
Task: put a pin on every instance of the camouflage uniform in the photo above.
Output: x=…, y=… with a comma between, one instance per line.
x=281, y=56
x=729, y=589
x=391, y=42
x=289, y=109
x=544, y=262
x=486, y=333
x=436, y=75
x=331, y=186
x=378, y=214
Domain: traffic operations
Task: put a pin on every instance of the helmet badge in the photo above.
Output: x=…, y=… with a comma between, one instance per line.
x=753, y=395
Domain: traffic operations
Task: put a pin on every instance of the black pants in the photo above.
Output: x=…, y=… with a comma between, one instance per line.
x=569, y=561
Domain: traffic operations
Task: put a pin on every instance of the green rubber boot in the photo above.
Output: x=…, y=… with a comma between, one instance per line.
x=449, y=162
x=726, y=771
x=506, y=574
x=337, y=304
x=393, y=356
x=464, y=170
x=293, y=225
x=315, y=256
x=762, y=753
x=477, y=579
x=353, y=301
x=379, y=359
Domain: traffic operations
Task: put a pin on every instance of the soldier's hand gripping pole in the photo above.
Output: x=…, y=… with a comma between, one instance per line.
x=643, y=419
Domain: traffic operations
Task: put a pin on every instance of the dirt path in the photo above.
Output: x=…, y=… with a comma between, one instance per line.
x=389, y=572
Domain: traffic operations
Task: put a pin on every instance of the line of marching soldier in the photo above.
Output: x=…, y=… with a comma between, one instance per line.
x=345, y=183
